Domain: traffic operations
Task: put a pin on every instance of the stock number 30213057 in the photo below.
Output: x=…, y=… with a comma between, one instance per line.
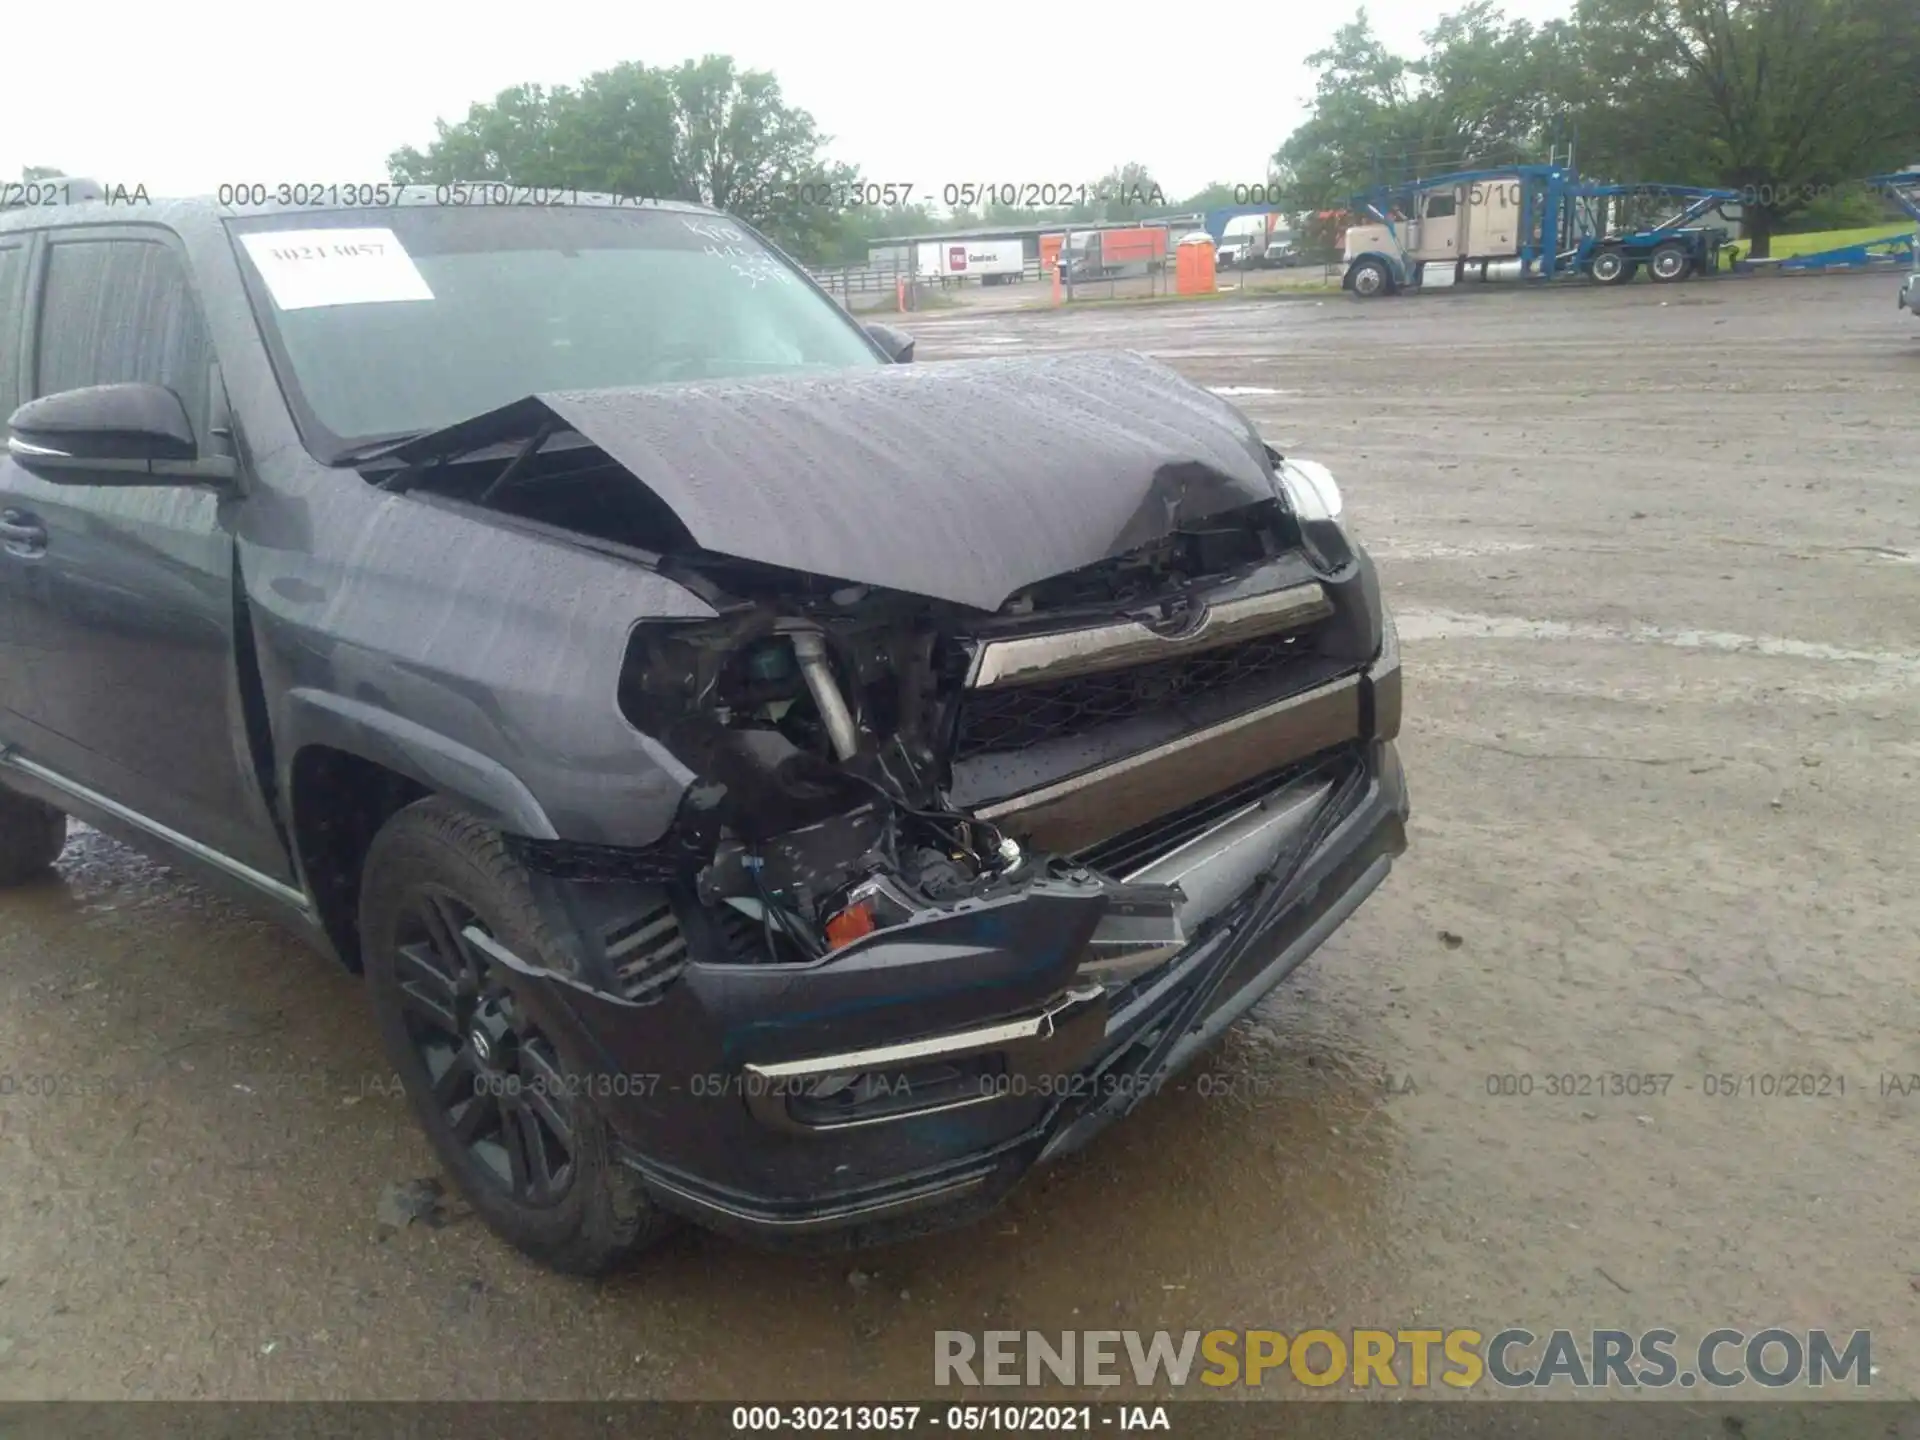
x=1580, y=1084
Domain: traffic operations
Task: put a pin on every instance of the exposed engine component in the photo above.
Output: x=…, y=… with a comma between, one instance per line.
x=782, y=713
x=810, y=649
x=819, y=818
x=833, y=882
x=809, y=862
x=825, y=724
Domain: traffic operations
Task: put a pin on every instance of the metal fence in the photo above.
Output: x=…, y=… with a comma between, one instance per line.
x=859, y=286
x=895, y=286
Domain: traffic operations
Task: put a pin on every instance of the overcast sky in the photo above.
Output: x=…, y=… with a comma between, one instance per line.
x=187, y=96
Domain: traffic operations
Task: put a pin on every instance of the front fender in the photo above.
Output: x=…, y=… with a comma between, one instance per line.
x=475, y=655
x=480, y=784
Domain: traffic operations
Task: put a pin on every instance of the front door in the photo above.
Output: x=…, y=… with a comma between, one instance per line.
x=116, y=650
x=1439, y=234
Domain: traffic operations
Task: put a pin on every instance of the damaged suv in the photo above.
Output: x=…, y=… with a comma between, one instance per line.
x=762, y=781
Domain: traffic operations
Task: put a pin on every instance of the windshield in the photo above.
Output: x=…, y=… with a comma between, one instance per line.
x=398, y=321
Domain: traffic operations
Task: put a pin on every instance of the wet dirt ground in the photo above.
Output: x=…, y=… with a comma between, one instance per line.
x=1656, y=558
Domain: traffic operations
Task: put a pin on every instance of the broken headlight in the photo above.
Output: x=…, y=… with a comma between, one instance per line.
x=1311, y=489
x=1314, y=497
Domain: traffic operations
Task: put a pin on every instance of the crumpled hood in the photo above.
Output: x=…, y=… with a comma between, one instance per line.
x=964, y=481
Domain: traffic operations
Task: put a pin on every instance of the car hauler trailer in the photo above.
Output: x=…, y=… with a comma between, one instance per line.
x=1905, y=190
x=1525, y=222
x=1886, y=252
x=1613, y=248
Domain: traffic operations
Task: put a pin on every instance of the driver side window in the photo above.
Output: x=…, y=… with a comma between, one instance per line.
x=121, y=310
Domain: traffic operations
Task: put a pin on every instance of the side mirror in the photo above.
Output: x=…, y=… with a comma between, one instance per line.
x=897, y=343
x=131, y=434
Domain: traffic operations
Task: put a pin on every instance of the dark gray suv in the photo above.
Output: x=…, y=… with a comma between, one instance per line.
x=761, y=780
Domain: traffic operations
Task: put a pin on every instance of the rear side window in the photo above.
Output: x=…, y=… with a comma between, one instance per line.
x=117, y=311
x=13, y=287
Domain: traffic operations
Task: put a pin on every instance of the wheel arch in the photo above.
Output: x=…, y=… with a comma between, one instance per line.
x=348, y=766
x=1396, y=274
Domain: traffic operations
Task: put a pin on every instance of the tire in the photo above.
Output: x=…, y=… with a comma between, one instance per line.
x=1670, y=263
x=32, y=835
x=1370, y=278
x=540, y=1171
x=1610, y=267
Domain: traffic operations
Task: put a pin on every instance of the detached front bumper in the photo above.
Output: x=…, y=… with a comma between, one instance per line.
x=908, y=1081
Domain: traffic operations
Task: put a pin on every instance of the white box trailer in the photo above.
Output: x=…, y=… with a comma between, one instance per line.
x=992, y=262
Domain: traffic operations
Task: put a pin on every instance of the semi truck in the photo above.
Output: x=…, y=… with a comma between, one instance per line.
x=1115, y=254
x=1248, y=241
x=1527, y=222
x=1238, y=240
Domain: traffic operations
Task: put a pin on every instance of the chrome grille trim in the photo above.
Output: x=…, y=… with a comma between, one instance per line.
x=1063, y=654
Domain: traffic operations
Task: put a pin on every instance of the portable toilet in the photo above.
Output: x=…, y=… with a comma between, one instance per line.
x=1193, y=265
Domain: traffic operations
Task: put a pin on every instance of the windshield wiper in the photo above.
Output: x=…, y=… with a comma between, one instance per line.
x=519, y=462
x=408, y=473
x=370, y=450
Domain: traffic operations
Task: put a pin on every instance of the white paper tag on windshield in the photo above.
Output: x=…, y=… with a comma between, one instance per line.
x=308, y=268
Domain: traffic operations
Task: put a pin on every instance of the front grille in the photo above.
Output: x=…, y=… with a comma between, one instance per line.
x=1017, y=717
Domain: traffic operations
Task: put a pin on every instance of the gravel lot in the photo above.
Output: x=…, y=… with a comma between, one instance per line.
x=1655, y=554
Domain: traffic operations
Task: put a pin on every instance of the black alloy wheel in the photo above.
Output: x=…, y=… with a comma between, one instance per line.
x=513, y=1119
x=496, y=1078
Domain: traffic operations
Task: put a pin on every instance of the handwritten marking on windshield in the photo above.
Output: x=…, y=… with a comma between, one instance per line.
x=714, y=230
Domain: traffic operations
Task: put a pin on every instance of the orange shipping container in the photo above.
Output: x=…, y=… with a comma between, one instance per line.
x=1145, y=242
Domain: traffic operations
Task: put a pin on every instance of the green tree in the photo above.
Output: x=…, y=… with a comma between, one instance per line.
x=739, y=147
x=1784, y=100
x=1214, y=195
x=866, y=226
x=703, y=131
x=1780, y=99
x=1126, y=192
x=1499, y=84
x=614, y=132
x=1480, y=94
